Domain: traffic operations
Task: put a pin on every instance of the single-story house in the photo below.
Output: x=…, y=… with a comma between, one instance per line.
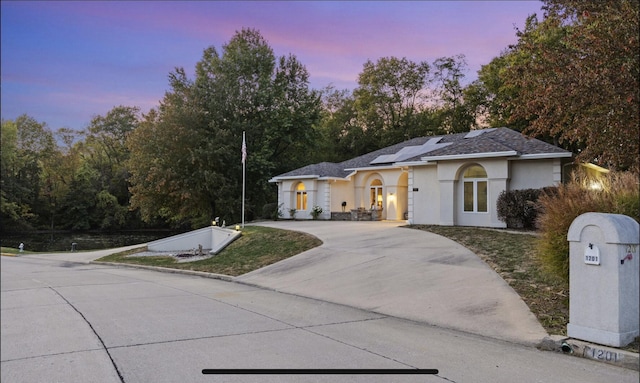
x=445, y=180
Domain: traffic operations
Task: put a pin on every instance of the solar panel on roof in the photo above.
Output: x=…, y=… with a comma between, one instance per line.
x=476, y=133
x=409, y=152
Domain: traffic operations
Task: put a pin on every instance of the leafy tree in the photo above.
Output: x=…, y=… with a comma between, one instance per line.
x=11, y=208
x=341, y=135
x=490, y=99
x=77, y=208
x=454, y=113
x=162, y=162
x=389, y=96
x=106, y=150
x=395, y=100
x=94, y=173
x=197, y=174
x=26, y=145
x=577, y=78
x=58, y=171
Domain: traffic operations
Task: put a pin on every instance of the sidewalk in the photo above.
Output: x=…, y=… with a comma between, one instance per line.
x=80, y=256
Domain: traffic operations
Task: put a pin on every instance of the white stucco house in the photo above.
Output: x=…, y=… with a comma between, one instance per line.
x=445, y=180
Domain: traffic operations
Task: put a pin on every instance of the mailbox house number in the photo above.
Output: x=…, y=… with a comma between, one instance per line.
x=592, y=255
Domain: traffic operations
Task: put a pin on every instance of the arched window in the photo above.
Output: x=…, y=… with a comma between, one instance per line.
x=301, y=197
x=376, y=194
x=475, y=189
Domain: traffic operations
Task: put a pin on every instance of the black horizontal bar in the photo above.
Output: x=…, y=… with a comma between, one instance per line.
x=314, y=371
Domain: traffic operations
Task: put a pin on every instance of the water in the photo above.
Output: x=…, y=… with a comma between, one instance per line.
x=61, y=241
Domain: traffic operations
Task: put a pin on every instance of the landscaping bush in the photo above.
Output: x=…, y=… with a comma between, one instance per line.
x=616, y=193
x=518, y=208
x=316, y=211
x=271, y=211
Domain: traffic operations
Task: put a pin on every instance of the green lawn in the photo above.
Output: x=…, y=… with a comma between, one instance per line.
x=11, y=252
x=257, y=247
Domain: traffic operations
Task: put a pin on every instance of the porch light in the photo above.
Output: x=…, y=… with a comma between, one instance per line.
x=237, y=227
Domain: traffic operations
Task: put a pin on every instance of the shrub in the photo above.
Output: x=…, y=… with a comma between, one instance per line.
x=316, y=211
x=616, y=193
x=517, y=208
x=271, y=211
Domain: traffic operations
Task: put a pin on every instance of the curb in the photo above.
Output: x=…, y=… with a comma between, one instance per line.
x=596, y=352
x=203, y=274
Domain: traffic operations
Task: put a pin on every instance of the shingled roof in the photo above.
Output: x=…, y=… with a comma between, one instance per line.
x=491, y=142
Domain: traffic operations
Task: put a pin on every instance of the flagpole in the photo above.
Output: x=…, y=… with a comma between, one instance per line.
x=244, y=160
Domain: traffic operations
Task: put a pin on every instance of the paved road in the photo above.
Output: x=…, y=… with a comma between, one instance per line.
x=63, y=321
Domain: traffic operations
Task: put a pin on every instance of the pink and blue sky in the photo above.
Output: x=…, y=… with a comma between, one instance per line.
x=64, y=62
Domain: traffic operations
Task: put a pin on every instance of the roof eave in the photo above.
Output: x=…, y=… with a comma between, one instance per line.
x=539, y=156
x=285, y=178
x=306, y=177
x=332, y=179
x=509, y=153
x=368, y=168
x=414, y=163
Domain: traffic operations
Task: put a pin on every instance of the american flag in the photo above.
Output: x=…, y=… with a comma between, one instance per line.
x=244, y=149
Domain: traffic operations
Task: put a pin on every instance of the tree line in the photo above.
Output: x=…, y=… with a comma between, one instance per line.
x=571, y=79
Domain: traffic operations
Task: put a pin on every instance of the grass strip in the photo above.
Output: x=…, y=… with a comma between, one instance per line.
x=257, y=247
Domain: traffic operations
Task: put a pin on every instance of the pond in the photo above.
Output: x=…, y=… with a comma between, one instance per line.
x=61, y=241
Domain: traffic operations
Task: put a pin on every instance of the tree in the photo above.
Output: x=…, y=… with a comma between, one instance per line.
x=58, y=171
x=78, y=208
x=26, y=145
x=10, y=207
x=94, y=173
x=196, y=174
x=389, y=96
x=490, y=99
x=162, y=162
x=455, y=115
x=340, y=134
x=396, y=100
x=577, y=78
x=106, y=150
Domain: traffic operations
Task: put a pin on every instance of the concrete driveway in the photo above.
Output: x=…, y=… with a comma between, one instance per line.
x=401, y=272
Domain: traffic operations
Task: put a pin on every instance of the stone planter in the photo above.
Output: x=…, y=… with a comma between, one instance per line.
x=362, y=214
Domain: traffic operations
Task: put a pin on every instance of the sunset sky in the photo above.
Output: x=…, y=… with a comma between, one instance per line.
x=64, y=62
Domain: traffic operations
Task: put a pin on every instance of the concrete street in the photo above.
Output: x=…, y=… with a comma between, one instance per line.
x=64, y=321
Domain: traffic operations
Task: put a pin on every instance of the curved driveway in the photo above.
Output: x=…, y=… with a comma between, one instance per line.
x=401, y=272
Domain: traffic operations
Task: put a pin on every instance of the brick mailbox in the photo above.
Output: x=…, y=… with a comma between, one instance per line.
x=604, y=279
